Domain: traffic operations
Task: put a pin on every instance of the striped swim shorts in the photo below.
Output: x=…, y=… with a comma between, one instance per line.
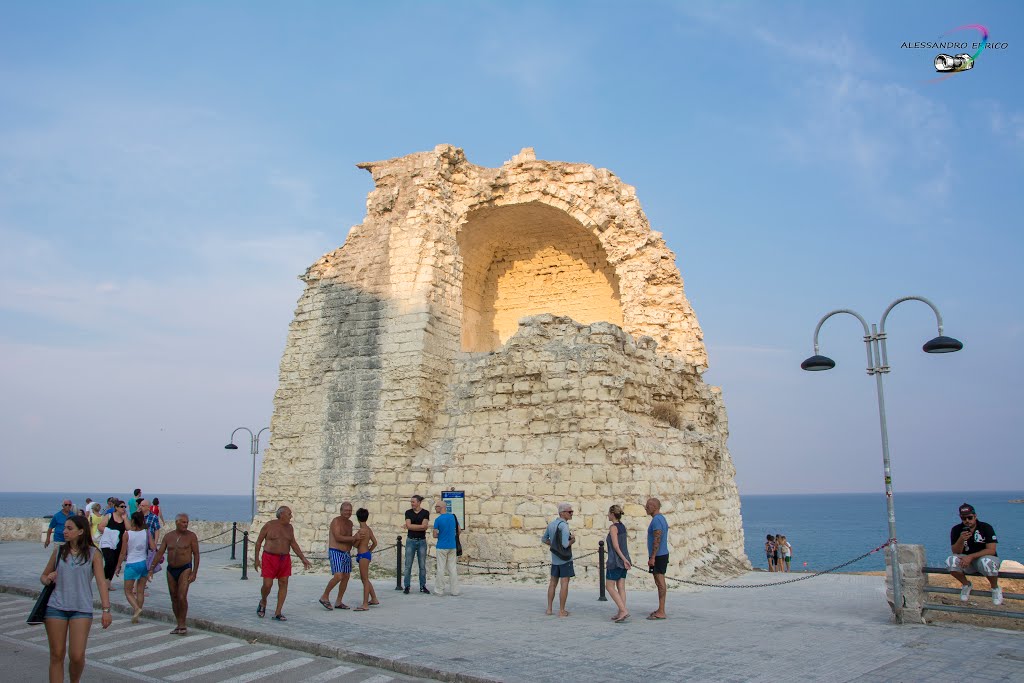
x=341, y=561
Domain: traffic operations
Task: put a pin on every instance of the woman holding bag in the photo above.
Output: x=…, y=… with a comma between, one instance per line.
x=72, y=567
x=112, y=540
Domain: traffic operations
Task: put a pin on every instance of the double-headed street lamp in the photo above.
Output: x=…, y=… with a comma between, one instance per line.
x=255, y=448
x=878, y=364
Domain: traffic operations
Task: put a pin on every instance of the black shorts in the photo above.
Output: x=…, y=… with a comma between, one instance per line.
x=660, y=564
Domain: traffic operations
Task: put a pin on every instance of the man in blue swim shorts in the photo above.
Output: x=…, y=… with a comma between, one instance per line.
x=339, y=552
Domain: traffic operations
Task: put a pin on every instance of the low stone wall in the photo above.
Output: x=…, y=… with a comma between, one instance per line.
x=34, y=529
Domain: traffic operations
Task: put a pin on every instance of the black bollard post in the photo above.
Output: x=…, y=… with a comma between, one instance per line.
x=398, y=564
x=245, y=555
x=600, y=572
x=234, y=538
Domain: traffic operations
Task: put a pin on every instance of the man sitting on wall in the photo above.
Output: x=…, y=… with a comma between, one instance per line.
x=974, y=550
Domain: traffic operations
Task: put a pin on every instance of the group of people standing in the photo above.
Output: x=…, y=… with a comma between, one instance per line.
x=779, y=553
x=276, y=542
x=96, y=543
x=560, y=538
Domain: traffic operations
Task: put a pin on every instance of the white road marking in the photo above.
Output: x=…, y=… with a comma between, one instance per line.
x=127, y=641
x=156, y=648
x=184, y=675
x=379, y=678
x=331, y=674
x=89, y=663
x=14, y=609
x=24, y=630
x=188, y=658
x=270, y=671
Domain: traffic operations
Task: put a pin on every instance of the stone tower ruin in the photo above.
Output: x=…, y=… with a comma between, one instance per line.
x=518, y=333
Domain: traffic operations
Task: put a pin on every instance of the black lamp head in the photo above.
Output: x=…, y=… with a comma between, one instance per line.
x=231, y=447
x=942, y=344
x=816, y=363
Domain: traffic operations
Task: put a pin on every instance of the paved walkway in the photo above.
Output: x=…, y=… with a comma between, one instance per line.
x=829, y=628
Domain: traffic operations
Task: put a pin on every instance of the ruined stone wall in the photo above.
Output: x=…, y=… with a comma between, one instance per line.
x=408, y=367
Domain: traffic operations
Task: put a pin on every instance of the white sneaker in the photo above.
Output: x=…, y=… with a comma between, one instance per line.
x=997, y=596
x=965, y=593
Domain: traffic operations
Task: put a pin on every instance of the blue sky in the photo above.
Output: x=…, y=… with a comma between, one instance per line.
x=168, y=169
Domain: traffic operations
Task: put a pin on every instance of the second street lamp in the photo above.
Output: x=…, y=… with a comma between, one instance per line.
x=878, y=364
x=254, y=448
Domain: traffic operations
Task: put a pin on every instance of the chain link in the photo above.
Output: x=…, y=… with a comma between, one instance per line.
x=210, y=538
x=780, y=583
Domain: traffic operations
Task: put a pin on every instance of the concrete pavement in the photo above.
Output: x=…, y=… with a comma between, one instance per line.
x=828, y=628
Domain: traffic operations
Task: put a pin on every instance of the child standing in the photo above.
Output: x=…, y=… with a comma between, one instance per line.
x=771, y=551
x=365, y=543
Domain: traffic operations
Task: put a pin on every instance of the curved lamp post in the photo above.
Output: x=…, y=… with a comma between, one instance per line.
x=254, y=448
x=878, y=364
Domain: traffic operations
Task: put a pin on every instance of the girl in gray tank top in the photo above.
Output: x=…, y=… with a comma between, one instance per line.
x=72, y=567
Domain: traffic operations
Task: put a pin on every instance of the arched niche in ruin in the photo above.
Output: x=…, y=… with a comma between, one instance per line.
x=526, y=259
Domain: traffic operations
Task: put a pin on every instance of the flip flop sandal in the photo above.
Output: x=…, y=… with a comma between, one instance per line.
x=261, y=611
x=327, y=605
x=279, y=617
x=342, y=606
x=360, y=609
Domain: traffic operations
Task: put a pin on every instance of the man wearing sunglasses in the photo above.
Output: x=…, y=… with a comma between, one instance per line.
x=974, y=550
x=67, y=511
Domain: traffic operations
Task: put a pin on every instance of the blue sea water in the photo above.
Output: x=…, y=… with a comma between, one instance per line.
x=824, y=529
x=828, y=529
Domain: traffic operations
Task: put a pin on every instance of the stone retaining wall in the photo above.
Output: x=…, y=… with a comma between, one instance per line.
x=34, y=529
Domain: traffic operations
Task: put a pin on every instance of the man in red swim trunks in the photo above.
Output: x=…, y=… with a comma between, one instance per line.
x=277, y=562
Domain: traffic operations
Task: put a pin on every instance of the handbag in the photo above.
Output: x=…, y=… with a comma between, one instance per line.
x=558, y=547
x=38, y=614
x=458, y=540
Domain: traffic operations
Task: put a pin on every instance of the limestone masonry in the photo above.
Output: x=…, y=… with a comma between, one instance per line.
x=517, y=333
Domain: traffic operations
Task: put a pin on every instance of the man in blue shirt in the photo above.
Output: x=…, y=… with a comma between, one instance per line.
x=445, y=531
x=561, y=539
x=57, y=523
x=657, y=554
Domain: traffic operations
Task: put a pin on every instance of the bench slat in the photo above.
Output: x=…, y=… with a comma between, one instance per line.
x=976, y=591
x=973, y=610
x=944, y=570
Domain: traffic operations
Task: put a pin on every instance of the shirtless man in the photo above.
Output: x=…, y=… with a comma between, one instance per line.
x=182, y=548
x=277, y=562
x=338, y=552
x=366, y=542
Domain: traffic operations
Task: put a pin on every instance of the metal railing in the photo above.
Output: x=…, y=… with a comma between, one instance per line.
x=966, y=609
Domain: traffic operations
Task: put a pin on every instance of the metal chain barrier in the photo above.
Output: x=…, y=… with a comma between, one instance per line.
x=213, y=550
x=210, y=538
x=780, y=583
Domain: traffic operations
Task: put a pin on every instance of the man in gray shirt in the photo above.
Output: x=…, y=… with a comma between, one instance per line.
x=561, y=539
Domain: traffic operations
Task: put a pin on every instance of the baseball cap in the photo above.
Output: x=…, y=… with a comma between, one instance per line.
x=967, y=509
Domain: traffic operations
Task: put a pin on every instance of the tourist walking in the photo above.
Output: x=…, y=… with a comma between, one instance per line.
x=559, y=536
x=56, y=527
x=339, y=553
x=73, y=565
x=96, y=522
x=155, y=509
x=112, y=541
x=133, y=502
x=276, y=563
x=182, y=548
x=657, y=552
x=446, y=531
x=366, y=542
x=416, y=519
x=618, y=563
x=973, y=544
x=134, y=555
x=152, y=520
x=87, y=508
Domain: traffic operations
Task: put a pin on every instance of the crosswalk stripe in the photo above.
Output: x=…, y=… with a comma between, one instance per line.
x=12, y=610
x=379, y=678
x=187, y=658
x=270, y=671
x=24, y=630
x=331, y=674
x=126, y=641
x=156, y=648
x=260, y=654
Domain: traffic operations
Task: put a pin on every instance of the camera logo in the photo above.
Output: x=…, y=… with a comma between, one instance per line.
x=945, y=63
